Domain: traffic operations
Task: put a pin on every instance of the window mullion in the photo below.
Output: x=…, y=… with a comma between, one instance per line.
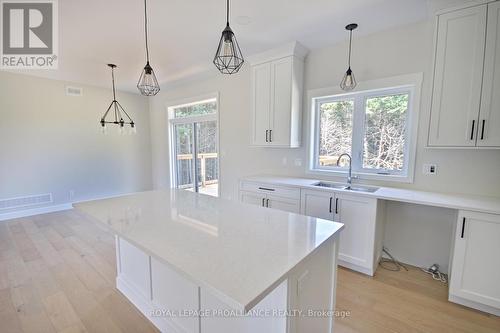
x=358, y=132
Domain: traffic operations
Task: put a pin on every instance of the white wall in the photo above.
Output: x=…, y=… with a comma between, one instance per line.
x=51, y=143
x=390, y=53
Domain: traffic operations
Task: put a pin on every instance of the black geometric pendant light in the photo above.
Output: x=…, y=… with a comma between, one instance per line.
x=228, y=58
x=348, y=81
x=148, y=84
x=116, y=110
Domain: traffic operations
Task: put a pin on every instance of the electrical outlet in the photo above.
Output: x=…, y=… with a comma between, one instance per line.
x=284, y=161
x=298, y=162
x=429, y=169
x=71, y=195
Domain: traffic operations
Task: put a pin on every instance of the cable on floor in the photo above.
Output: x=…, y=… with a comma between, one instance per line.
x=435, y=273
x=390, y=264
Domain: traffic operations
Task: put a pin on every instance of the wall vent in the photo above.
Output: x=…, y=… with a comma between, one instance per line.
x=74, y=91
x=25, y=202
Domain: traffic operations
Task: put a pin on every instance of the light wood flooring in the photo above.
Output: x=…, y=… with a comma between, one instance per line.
x=57, y=274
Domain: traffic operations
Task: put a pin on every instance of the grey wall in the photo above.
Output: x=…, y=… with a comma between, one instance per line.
x=51, y=143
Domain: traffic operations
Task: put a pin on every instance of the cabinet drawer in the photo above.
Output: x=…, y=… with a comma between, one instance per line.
x=279, y=191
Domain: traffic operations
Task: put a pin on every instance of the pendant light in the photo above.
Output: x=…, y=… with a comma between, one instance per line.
x=349, y=82
x=228, y=58
x=117, y=110
x=148, y=84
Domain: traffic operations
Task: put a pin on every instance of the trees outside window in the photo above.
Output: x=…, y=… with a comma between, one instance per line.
x=372, y=126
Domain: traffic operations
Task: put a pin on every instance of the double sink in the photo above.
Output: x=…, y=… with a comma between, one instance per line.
x=345, y=187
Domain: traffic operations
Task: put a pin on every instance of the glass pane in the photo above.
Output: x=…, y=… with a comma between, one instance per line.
x=208, y=172
x=385, y=132
x=195, y=110
x=335, y=131
x=184, y=155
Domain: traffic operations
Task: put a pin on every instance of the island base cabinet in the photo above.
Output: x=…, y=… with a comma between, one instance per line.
x=303, y=302
x=475, y=270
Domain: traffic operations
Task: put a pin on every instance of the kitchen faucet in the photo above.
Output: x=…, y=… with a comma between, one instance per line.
x=349, y=176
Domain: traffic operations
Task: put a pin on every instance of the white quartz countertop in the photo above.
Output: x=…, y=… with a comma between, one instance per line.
x=483, y=204
x=239, y=252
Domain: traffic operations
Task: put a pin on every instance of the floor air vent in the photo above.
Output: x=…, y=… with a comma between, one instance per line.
x=25, y=202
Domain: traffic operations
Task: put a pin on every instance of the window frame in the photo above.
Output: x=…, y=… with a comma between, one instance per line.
x=172, y=121
x=410, y=84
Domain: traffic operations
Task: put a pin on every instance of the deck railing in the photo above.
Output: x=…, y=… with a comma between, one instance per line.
x=203, y=157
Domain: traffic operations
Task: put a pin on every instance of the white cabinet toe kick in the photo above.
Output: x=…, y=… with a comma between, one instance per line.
x=175, y=303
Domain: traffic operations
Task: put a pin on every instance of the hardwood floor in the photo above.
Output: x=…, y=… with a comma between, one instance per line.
x=57, y=274
x=403, y=302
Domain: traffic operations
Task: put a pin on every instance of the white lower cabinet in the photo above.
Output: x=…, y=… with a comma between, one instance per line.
x=318, y=204
x=266, y=195
x=357, y=243
x=361, y=239
x=475, y=270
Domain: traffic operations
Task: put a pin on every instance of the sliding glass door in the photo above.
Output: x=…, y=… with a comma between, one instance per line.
x=195, y=148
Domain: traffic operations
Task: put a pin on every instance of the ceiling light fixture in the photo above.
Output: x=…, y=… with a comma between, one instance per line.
x=228, y=58
x=348, y=81
x=148, y=84
x=117, y=110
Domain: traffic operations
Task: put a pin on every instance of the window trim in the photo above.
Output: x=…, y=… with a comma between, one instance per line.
x=411, y=83
x=172, y=121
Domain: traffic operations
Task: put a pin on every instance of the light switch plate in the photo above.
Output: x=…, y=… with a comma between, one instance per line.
x=429, y=169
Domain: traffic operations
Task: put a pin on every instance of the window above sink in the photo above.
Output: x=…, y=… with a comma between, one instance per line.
x=377, y=126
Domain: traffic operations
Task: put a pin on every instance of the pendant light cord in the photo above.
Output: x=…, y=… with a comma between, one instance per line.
x=113, y=80
x=227, y=12
x=146, y=29
x=350, y=45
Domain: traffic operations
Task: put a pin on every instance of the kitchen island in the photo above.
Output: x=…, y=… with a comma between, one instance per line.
x=195, y=263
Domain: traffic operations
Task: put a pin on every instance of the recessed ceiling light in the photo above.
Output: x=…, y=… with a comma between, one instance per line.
x=243, y=20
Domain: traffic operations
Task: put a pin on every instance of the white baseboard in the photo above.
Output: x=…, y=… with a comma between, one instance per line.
x=35, y=211
x=356, y=268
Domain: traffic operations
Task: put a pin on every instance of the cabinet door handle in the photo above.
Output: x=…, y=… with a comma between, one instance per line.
x=263, y=201
x=463, y=228
x=336, y=205
x=330, y=208
x=482, y=129
x=267, y=140
x=267, y=203
x=472, y=131
x=270, y=135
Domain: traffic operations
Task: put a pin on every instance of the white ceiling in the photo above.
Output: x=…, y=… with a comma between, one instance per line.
x=184, y=33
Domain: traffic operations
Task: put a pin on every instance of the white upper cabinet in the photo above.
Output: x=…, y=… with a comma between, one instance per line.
x=489, y=117
x=261, y=80
x=277, y=96
x=458, y=76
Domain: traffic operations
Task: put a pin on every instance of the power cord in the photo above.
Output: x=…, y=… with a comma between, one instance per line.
x=435, y=273
x=385, y=261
